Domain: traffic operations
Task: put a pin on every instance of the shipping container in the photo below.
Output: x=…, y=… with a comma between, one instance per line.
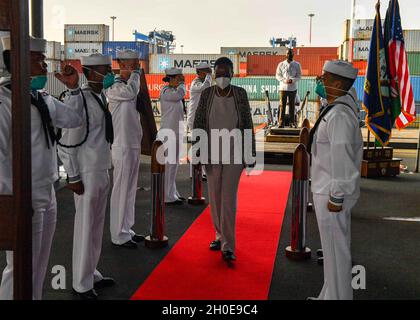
x=267, y=66
x=326, y=51
x=76, y=50
x=53, y=50
x=256, y=87
x=155, y=84
x=412, y=40
x=243, y=66
x=362, y=66
x=112, y=47
x=414, y=63
x=187, y=62
x=362, y=29
x=361, y=50
x=415, y=84
x=144, y=64
x=53, y=65
x=244, y=52
x=86, y=33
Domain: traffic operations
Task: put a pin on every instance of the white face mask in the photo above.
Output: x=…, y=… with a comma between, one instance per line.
x=223, y=82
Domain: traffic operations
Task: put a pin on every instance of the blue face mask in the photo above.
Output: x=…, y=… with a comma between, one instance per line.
x=38, y=82
x=320, y=89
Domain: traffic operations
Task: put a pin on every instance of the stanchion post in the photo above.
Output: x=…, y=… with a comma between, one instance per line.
x=197, y=198
x=304, y=139
x=306, y=124
x=298, y=250
x=157, y=237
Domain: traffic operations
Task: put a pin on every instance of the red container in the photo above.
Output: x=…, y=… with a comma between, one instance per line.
x=311, y=64
x=325, y=51
x=155, y=84
x=243, y=66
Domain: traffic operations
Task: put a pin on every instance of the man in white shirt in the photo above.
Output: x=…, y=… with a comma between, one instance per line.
x=336, y=145
x=86, y=156
x=126, y=150
x=47, y=113
x=289, y=73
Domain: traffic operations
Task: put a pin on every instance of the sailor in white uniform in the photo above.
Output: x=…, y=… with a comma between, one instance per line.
x=202, y=82
x=126, y=150
x=46, y=114
x=86, y=157
x=337, y=152
x=171, y=99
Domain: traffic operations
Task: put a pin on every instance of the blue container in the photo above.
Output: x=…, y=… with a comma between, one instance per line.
x=415, y=84
x=112, y=47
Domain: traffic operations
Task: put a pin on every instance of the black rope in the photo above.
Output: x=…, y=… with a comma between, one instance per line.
x=59, y=135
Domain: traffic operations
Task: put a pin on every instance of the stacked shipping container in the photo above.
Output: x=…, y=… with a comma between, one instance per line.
x=311, y=59
x=356, y=45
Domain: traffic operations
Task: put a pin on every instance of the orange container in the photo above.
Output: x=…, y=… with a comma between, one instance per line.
x=325, y=51
x=155, y=84
x=243, y=66
x=362, y=66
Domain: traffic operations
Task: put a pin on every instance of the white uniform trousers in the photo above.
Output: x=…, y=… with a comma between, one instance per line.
x=335, y=231
x=44, y=223
x=126, y=163
x=223, y=184
x=88, y=230
x=171, y=170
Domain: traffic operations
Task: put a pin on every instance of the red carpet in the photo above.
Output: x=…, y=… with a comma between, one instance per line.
x=192, y=272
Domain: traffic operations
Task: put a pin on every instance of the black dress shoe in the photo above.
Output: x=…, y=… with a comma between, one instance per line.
x=104, y=283
x=228, y=256
x=182, y=199
x=216, y=246
x=137, y=238
x=175, y=203
x=321, y=261
x=320, y=253
x=205, y=178
x=88, y=296
x=128, y=245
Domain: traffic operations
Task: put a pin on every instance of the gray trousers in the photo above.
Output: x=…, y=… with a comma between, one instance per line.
x=223, y=184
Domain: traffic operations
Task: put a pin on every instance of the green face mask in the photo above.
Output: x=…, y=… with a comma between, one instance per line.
x=109, y=80
x=320, y=89
x=38, y=82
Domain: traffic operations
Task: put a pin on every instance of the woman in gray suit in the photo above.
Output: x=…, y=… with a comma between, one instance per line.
x=225, y=115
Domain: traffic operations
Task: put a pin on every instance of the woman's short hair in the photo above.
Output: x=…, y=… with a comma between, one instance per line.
x=224, y=61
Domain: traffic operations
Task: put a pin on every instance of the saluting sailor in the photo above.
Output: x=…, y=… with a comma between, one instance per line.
x=86, y=156
x=337, y=151
x=171, y=100
x=126, y=150
x=46, y=114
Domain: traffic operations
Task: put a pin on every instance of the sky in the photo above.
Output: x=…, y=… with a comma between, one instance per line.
x=205, y=26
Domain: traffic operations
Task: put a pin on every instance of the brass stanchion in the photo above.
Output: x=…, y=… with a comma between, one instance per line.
x=157, y=237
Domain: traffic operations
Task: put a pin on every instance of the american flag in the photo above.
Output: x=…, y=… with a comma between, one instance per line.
x=398, y=68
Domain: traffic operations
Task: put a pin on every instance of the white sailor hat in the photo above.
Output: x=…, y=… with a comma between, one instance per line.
x=341, y=68
x=127, y=55
x=203, y=66
x=173, y=71
x=35, y=44
x=96, y=59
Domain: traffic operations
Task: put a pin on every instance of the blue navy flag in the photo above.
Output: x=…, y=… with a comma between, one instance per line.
x=376, y=101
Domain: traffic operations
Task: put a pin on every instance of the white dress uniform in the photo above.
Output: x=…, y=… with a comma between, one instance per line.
x=197, y=87
x=172, y=119
x=44, y=174
x=126, y=150
x=337, y=153
x=88, y=163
